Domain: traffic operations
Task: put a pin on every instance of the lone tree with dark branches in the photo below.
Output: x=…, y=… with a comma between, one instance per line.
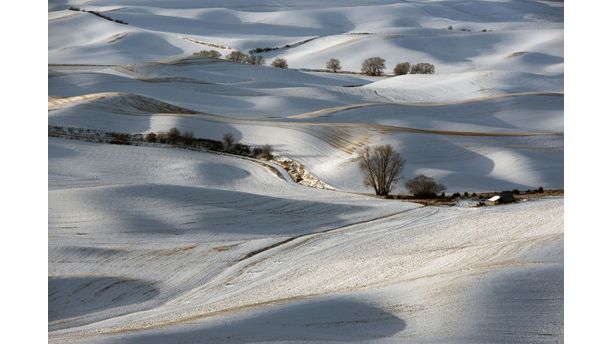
x=381, y=167
x=373, y=66
x=333, y=65
x=228, y=141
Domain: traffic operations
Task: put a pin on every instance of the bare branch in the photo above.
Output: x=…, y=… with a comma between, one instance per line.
x=381, y=167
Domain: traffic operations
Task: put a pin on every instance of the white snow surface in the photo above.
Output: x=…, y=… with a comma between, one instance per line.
x=492, y=112
x=152, y=245
x=162, y=245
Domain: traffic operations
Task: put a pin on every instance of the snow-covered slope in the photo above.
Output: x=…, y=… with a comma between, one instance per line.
x=180, y=236
x=499, y=72
x=162, y=245
x=503, y=141
x=415, y=31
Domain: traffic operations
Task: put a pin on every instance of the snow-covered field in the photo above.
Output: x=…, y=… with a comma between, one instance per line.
x=491, y=118
x=152, y=244
x=159, y=245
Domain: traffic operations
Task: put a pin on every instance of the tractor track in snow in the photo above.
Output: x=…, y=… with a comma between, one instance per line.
x=330, y=230
x=240, y=272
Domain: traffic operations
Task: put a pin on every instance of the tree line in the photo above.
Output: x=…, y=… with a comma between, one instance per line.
x=373, y=66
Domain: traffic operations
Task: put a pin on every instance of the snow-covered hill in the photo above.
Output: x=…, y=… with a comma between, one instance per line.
x=178, y=236
x=162, y=245
x=480, y=143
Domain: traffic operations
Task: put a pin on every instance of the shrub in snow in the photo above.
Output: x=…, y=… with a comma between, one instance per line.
x=373, y=66
x=401, y=68
x=280, y=63
x=151, y=137
x=422, y=68
x=120, y=139
x=264, y=50
x=162, y=137
x=266, y=152
x=256, y=152
x=188, y=138
x=228, y=141
x=173, y=135
x=236, y=56
x=256, y=60
x=209, y=53
x=423, y=186
x=240, y=149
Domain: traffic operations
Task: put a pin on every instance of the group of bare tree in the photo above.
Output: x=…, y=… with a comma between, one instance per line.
x=382, y=166
x=228, y=144
x=234, y=56
x=419, y=68
x=239, y=57
x=423, y=68
x=231, y=145
x=172, y=136
x=374, y=66
x=213, y=54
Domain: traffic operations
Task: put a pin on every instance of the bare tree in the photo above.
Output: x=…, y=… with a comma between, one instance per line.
x=151, y=137
x=424, y=187
x=237, y=56
x=280, y=63
x=188, y=138
x=381, y=167
x=173, y=135
x=162, y=137
x=402, y=68
x=423, y=68
x=256, y=60
x=209, y=53
x=120, y=139
x=333, y=65
x=228, y=141
x=373, y=66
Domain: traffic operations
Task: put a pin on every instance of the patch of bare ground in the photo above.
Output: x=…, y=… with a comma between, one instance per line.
x=479, y=197
x=530, y=194
x=300, y=174
x=171, y=251
x=517, y=54
x=223, y=248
